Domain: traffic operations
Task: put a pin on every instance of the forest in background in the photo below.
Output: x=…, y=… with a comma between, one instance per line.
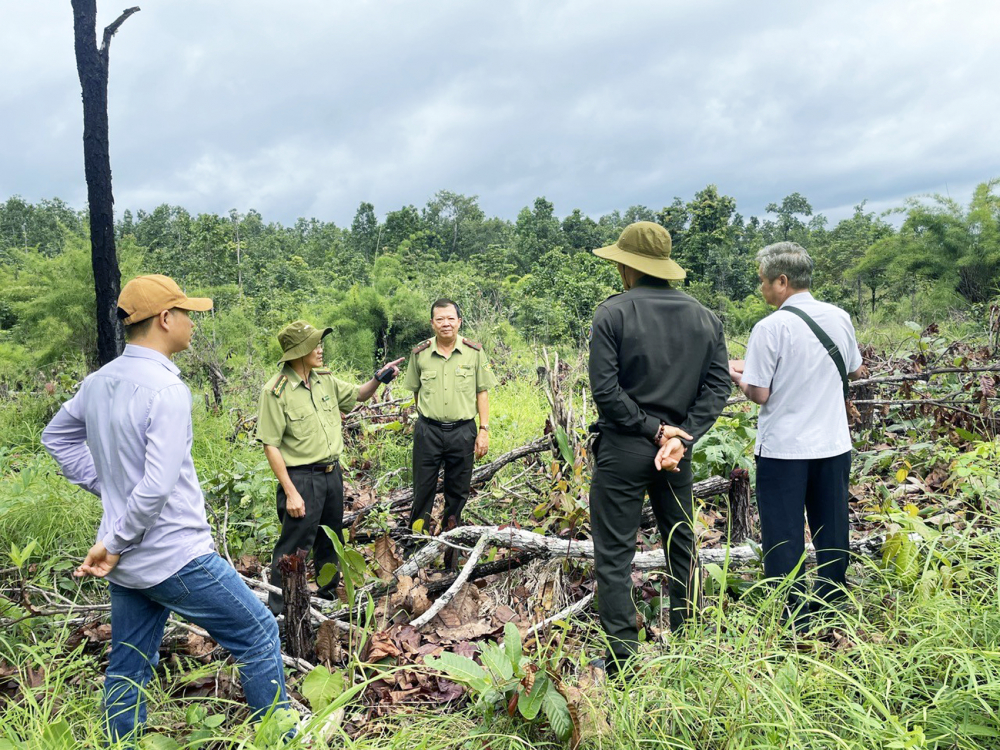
x=911, y=662
x=533, y=278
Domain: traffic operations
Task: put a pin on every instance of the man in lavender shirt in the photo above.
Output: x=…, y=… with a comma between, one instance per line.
x=126, y=437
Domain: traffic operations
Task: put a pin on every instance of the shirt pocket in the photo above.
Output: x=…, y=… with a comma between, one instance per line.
x=465, y=379
x=301, y=423
x=428, y=382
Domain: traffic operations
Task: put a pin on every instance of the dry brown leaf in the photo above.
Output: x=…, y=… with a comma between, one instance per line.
x=328, y=647
x=467, y=631
x=462, y=609
x=381, y=647
x=198, y=645
x=98, y=633
x=505, y=614
x=418, y=601
x=385, y=555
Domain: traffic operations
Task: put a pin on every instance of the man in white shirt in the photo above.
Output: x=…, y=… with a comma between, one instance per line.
x=803, y=448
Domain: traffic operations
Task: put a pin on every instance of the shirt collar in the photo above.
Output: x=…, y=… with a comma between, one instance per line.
x=800, y=297
x=651, y=281
x=293, y=377
x=459, y=346
x=144, y=352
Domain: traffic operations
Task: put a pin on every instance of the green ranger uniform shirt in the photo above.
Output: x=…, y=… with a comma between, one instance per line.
x=304, y=423
x=446, y=387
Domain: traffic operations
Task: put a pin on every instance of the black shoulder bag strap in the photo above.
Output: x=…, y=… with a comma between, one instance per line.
x=827, y=342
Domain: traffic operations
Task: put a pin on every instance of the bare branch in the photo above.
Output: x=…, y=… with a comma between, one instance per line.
x=109, y=31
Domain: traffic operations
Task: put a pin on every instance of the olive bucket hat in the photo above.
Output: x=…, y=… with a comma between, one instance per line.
x=644, y=246
x=299, y=338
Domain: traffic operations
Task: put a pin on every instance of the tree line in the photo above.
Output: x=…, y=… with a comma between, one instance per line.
x=372, y=281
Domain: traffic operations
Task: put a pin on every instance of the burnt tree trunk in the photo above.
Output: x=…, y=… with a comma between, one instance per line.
x=92, y=66
x=299, y=642
x=740, y=518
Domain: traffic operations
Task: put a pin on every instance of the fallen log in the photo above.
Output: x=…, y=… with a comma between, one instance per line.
x=480, y=476
x=583, y=549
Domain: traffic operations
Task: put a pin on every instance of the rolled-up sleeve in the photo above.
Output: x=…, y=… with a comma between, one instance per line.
x=65, y=438
x=613, y=403
x=166, y=447
x=347, y=394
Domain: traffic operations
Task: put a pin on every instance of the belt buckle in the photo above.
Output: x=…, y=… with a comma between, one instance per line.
x=328, y=468
x=448, y=426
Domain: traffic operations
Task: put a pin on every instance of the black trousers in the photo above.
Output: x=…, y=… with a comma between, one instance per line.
x=623, y=476
x=819, y=486
x=434, y=447
x=323, y=494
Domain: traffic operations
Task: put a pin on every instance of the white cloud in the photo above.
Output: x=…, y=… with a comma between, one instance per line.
x=308, y=108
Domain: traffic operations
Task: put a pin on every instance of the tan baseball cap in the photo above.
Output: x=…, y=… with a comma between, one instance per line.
x=644, y=246
x=146, y=296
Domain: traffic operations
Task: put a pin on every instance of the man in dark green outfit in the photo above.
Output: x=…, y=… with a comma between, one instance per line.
x=450, y=378
x=659, y=374
x=299, y=424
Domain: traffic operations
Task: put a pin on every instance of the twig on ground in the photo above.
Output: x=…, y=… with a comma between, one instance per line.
x=448, y=595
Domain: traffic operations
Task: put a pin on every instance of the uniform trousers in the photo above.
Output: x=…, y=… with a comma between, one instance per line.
x=623, y=476
x=434, y=447
x=323, y=495
x=819, y=486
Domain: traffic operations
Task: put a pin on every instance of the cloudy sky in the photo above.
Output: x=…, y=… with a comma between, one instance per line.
x=308, y=107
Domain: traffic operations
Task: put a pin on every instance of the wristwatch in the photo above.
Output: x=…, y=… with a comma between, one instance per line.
x=484, y=427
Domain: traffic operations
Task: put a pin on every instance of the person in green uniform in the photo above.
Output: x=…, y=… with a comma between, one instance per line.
x=299, y=425
x=450, y=378
x=659, y=374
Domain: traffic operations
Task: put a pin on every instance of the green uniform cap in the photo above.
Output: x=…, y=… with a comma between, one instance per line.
x=446, y=387
x=299, y=338
x=304, y=423
x=644, y=246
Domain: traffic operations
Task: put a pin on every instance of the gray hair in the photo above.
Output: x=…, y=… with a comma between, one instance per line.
x=787, y=258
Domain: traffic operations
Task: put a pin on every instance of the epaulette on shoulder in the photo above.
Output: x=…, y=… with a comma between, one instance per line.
x=323, y=372
x=474, y=344
x=279, y=386
x=420, y=347
x=619, y=294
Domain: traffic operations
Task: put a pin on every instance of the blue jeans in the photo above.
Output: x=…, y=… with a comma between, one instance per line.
x=210, y=594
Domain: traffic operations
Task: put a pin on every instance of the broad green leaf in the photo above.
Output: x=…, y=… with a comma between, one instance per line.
x=214, y=720
x=58, y=736
x=149, y=742
x=529, y=704
x=321, y=687
x=418, y=526
x=458, y=668
x=557, y=712
x=195, y=714
x=326, y=574
x=512, y=644
x=562, y=440
x=901, y=475
x=495, y=659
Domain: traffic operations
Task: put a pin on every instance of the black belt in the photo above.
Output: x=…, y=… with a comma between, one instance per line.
x=315, y=468
x=446, y=426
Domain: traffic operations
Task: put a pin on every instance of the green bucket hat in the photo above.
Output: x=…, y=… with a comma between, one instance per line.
x=644, y=246
x=298, y=339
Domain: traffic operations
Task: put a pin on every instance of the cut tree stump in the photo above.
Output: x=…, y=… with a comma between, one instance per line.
x=299, y=640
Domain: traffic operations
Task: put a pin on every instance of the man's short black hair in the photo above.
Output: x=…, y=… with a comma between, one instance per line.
x=445, y=302
x=138, y=330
